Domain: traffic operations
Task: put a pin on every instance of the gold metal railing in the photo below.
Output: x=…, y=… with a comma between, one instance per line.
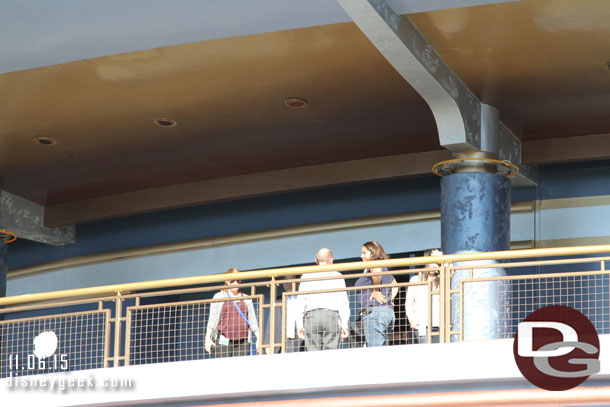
x=157, y=321
x=586, y=288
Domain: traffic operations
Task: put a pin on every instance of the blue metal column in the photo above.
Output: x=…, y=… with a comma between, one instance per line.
x=475, y=217
x=475, y=212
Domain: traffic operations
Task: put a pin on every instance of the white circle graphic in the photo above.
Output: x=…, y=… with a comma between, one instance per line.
x=45, y=344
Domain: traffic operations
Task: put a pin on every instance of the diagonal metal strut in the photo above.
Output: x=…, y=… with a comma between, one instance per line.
x=464, y=123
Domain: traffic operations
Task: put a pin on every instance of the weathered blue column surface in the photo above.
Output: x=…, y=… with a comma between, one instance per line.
x=475, y=217
x=475, y=212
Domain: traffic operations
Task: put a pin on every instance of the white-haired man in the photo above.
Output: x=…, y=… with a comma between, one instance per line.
x=322, y=318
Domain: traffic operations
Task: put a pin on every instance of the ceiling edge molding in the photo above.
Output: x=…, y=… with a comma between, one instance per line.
x=243, y=186
x=556, y=150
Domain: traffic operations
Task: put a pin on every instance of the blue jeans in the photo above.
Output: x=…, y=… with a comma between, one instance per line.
x=377, y=323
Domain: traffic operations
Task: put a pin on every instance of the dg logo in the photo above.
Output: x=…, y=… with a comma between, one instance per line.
x=557, y=348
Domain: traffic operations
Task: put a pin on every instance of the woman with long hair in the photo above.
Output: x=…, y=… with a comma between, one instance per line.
x=417, y=302
x=375, y=303
x=231, y=322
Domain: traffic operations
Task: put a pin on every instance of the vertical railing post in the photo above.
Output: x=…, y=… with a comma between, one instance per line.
x=444, y=300
x=117, y=328
x=127, y=337
x=461, y=310
x=284, y=322
x=430, y=300
x=272, y=295
x=128, y=323
x=100, y=307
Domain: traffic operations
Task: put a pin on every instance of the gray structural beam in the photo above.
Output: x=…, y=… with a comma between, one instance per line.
x=464, y=123
x=25, y=219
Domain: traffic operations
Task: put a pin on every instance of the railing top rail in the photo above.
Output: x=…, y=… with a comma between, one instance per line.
x=287, y=271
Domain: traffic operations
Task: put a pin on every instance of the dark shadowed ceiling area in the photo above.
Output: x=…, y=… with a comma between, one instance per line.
x=224, y=80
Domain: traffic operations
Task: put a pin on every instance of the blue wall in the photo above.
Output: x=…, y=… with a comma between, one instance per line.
x=574, y=180
x=240, y=216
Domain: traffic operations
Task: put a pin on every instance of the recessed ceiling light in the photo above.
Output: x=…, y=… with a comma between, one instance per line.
x=296, y=103
x=165, y=122
x=45, y=141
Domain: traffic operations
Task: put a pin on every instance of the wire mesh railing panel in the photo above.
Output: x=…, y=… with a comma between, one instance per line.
x=182, y=331
x=57, y=343
x=517, y=297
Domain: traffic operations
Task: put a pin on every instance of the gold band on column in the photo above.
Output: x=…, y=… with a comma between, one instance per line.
x=477, y=161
